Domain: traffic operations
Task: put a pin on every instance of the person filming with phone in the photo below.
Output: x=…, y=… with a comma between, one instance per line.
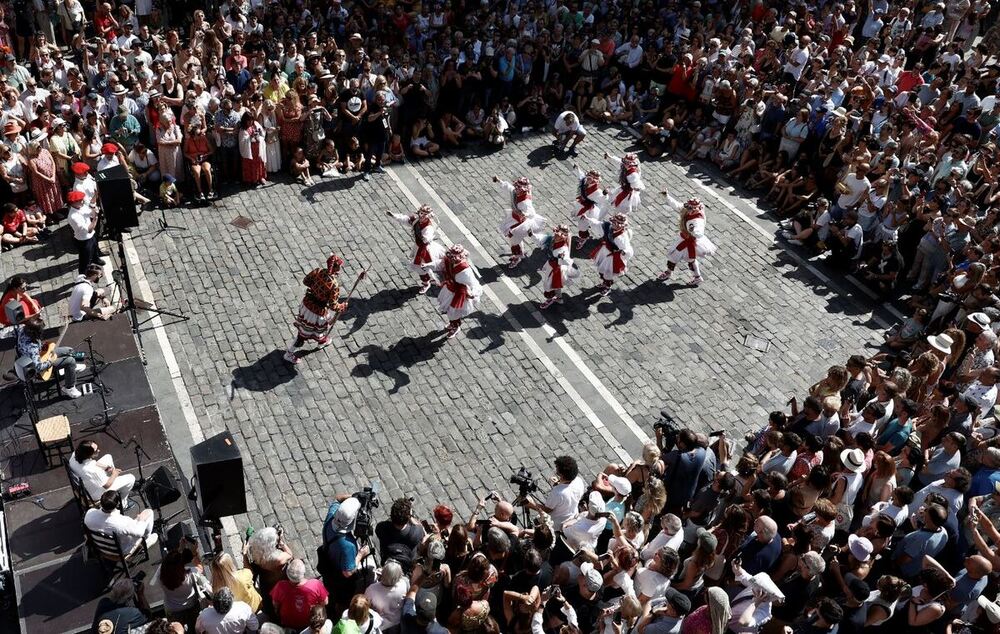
x=502, y=518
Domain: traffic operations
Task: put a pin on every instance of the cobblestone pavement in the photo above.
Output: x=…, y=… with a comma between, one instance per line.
x=449, y=421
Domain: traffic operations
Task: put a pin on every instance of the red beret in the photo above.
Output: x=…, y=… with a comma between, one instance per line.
x=109, y=148
x=80, y=168
x=75, y=196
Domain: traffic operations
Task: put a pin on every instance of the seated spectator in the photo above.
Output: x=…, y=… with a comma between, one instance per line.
x=108, y=519
x=180, y=575
x=99, y=475
x=18, y=227
x=124, y=608
x=17, y=291
x=87, y=300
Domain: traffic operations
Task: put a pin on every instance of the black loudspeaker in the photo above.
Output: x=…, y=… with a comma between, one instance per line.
x=218, y=469
x=161, y=489
x=117, y=199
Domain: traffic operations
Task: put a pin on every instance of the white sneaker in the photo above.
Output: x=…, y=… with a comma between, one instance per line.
x=330, y=173
x=72, y=392
x=151, y=539
x=80, y=368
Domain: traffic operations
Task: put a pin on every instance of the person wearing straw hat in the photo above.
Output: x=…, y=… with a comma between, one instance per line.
x=847, y=483
x=63, y=147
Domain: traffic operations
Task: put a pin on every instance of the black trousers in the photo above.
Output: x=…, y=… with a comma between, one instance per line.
x=86, y=252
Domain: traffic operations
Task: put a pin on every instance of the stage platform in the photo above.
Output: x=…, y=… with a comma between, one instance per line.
x=57, y=587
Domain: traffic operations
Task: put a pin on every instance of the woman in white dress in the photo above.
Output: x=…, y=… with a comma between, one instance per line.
x=460, y=291
x=273, y=145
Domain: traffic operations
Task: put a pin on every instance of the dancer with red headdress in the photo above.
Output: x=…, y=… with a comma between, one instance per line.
x=521, y=219
x=591, y=199
x=626, y=197
x=460, y=289
x=558, y=270
x=612, y=255
x=692, y=242
x=319, y=308
x=428, y=253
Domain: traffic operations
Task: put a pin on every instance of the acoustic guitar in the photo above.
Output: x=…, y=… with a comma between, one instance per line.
x=48, y=352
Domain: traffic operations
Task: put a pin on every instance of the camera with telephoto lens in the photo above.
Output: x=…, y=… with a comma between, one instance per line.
x=525, y=482
x=668, y=429
x=369, y=500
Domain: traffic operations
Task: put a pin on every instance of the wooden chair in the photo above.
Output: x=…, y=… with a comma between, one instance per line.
x=108, y=550
x=55, y=439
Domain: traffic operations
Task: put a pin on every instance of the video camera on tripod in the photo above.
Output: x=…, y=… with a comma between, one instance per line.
x=363, y=526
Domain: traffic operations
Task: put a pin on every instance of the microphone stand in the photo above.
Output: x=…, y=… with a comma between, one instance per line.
x=96, y=422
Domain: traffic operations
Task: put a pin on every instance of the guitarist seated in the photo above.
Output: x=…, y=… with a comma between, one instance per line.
x=48, y=356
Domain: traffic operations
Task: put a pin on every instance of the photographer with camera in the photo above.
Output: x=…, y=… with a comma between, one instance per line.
x=399, y=536
x=689, y=465
x=339, y=558
x=502, y=518
x=563, y=500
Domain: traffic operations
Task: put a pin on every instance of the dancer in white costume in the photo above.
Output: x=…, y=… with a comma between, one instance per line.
x=428, y=254
x=558, y=271
x=521, y=219
x=612, y=255
x=460, y=289
x=692, y=242
x=626, y=197
x=590, y=200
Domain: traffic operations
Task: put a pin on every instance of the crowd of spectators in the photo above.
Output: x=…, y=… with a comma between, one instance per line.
x=871, y=125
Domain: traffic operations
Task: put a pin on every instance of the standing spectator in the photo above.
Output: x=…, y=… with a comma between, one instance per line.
x=294, y=597
x=44, y=179
x=252, y=151
x=226, y=616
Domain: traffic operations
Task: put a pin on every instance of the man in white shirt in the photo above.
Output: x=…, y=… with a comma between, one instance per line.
x=83, y=221
x=226, y=616
x=107, y=519
x=630, y=53
x=583, y=530
x=984, y=390
x=99, y=474
x=852, y=187
x=564, y=498
x=86, y=299
x=568, y=128
x=798, y=58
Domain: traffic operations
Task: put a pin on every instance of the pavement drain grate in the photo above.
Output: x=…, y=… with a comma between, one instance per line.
x=241, y=222
x=761, y=345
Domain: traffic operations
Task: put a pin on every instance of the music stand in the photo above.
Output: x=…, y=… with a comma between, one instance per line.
x=100, y=422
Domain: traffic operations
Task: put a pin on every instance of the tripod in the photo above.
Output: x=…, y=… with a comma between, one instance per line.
x=165, y=225
x=131, y=303
x=101, y=422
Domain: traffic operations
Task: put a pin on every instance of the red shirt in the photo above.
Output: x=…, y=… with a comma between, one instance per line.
x=293, y=602
x=13, y=221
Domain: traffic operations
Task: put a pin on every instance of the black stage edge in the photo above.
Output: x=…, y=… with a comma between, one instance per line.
x=57, y=587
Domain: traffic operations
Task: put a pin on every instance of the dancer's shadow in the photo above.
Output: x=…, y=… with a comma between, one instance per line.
x=625, y=300
x=405, y=353
x=573, y=308
x=335, y=184
x=265, y=373
x=361, y=308
x=542, y=157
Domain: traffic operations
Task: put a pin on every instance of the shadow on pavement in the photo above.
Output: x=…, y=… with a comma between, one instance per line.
x=405, y=353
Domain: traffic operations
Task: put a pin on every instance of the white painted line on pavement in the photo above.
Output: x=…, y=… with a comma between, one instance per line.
x=801, y=261
x=550, y=366
x=229, y=529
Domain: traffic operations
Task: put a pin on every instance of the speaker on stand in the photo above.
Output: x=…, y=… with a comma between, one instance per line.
x=219, y=484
